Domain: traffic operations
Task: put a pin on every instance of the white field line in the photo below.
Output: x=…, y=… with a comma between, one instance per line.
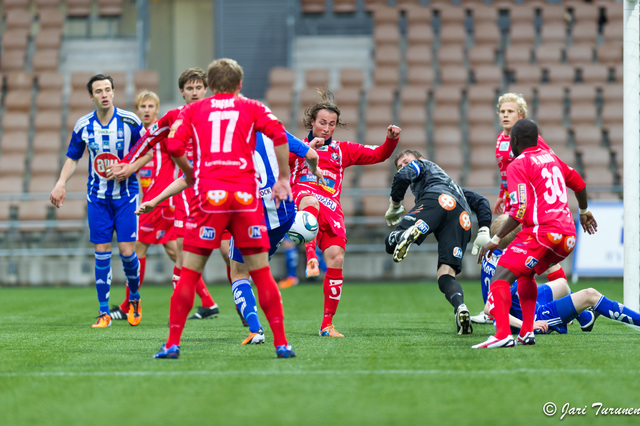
x=299, y=373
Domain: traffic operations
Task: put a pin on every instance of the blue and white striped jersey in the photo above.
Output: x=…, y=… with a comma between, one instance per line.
x=107, y=145
x=266, y=164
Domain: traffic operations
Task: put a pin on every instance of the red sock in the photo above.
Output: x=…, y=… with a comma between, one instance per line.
x=229, y=275
x=270, y=302
x=205, y=296
x=528, y=293
x=313, y=210
x=125, y=305
x=500, y=297
x=557, y=274
x=310, y=247
x=181, y=304
x=332, y=287
x=176, y=277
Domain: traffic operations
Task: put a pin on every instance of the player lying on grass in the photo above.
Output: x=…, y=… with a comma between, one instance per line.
x=442, y=208
x=556, y=306
x=278, y=221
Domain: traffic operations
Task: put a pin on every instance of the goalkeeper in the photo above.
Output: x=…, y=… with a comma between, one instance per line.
x=442, y=208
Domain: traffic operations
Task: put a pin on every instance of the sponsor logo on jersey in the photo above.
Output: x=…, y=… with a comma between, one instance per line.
x=160, y=234
x=222, y=103
x=266, y=192
x=254, y=232
x=102, y=162
x=178, y=223
x=244, y=198
x=370, y=146
x=217, y=197
x=569, y=243
x=191, y=225
x=129, y=120
x=145, y=228
x=409, y=217
x=522, y=200
x=457, y=252
x=465, y=221
x=207, y=233
x=504, y=146
x=328, y=202
x=554, y=237
x=531, y=262
x=447, y=202
x=516, y=249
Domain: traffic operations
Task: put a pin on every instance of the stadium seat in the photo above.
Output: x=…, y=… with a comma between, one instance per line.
x=582, y=94
x=18, y=19
x=11, y=183
x=47, y=143
x=281, y=76
x=553, y=34
x=415, y=138
x=348, y=97
x=556, y=136
x=375, y=115
x=18, y=101
x=546, y=54
x=79, y=81
x=446, y=135
x=582, y=11
x=19, y=80
x=526, y=74
x=481, y=114
x=524, y=34
x=585, y=33
x=345, y=6
x=12, y=165
x=453, y=75
x=413, y=95
x=388, y=76
x=46, y=60
x=16, y=39
x=450, y=56
x=352, y=77
x=560, y=73
x=610, y=53
x=120, y=80
x=594, y=157
x=526, y=90
x=611, y=114
x=447, y=95
x=316, y=78
x=551, y=94
x=451, y=35
x=483, y=178
x=482, y=136
x=599, y=176
x=594, y=74
x=583, y=114
x=412, y=115
x=144, y=80
x=313, y=6
x=517, y=55
x=15, y=121
x=550, y=114
x=79, y=100
x=486, y=95
x=110, y=8
x=79, y=8
x=47, y=5
x=387, y=54
x=612, y=32
x=49, y=39
x=5, y=209
x=579, y=54
x=422, y=75
x=46, y=164
x=587, y=136
x=381, y=96
x=49, y=121
x=483, y=55
x=386, y=34
x=487, y=75
x=32, y=215
x=15, y=5
x=13, y=60
x=450, y=159
x=15, y=142
x=483, y=13
x=50, y=81
x=308, y=96
x=446, y=115
x=49, y=100
x=376, y=132
x=418, y=55
x=421, y=35
x=279, y=97
x=486, y=34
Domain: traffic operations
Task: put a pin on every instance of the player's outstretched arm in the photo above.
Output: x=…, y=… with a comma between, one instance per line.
x=174, y=188
x=282, y=189
x=59, y=191
x=588, y=222
x=312, y=161
x=498, y=207
x=121, y=171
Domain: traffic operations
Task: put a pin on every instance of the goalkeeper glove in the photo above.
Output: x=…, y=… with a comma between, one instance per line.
x=483, y=237
x=393, y=214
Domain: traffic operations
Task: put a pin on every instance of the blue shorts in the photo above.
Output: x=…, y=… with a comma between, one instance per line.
x=557, y=313
x=108, y=215
x=275, y=238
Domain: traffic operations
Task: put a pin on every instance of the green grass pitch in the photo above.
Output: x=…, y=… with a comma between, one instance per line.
x=401, y=363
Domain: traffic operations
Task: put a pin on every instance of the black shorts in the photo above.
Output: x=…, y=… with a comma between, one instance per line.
x=448, y=221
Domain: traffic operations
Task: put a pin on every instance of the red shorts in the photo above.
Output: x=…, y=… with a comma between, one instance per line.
x=331, y=230
x=218, y=210
x=531, y=253
x=157, y=227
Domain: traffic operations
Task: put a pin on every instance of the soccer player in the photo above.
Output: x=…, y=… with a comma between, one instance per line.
x=107, y=133
x=291, y=262
x=193, y=87
x=537, y=181
x=323, y=201
x=556, y=305
x=153, y=175
x=442, y=208
x=223, y=130
x=278, y=221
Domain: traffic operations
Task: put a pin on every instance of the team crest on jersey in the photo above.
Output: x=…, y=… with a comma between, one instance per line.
x=102, y=162
x=447, y=202
x=120, y=134
x=465, y=221
x=255, y=232
x=531, y=262
x=207, y=233
x=335, y=156
x=217, y=197
x=457, y=252
x=244, y=198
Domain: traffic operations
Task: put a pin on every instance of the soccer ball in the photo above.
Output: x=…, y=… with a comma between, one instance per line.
x=304, y=228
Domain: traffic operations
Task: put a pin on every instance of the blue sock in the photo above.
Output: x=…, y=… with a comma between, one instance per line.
x=103, y=279
x=131, y=266
x=616, y=311
x=321, y=263
x=291, y=256
x=246, y=303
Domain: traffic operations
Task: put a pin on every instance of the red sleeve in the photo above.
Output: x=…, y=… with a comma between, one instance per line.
x=517, y=187
x=152, y=136
x=268, y=124
x=179, y=135
x=368, y=154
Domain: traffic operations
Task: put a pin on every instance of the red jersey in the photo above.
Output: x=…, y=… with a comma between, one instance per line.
x=223, y=128
x=537, y=181
x=504, y=157
x=333, y=159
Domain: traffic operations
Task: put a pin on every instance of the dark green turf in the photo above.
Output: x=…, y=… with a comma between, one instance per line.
x=399, y=364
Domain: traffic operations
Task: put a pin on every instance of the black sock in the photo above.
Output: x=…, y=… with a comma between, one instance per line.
x=452, y=290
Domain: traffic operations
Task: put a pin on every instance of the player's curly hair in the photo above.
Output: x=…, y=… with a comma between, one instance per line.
x=327, y=102
x=192, y=74
x=406, y=151
x=506, y=240
x=514, y=97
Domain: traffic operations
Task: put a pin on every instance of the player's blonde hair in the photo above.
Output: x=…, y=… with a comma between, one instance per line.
x=146, y=95
x=514, y=97
x=506, y=240
x=224, y=75
x=328, y=103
